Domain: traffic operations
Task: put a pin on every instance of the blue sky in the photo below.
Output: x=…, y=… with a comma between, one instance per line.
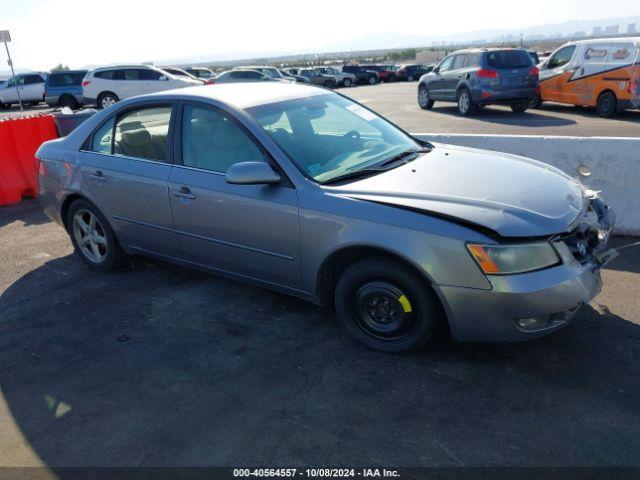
x=81, y=33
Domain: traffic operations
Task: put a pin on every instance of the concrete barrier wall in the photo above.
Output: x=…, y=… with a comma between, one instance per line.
x=614, y=164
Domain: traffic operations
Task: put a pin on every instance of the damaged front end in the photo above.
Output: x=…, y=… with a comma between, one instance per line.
x=590, y=232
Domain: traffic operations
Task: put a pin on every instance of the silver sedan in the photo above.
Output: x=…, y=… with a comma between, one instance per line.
x=301, y=190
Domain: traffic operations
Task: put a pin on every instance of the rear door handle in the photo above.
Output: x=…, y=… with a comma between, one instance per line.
x=184, y=192
x=98, y=175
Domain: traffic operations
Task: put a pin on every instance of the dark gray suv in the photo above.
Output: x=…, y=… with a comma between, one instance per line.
x=479, y=77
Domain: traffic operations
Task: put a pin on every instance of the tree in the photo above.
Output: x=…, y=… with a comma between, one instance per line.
x=60, y=68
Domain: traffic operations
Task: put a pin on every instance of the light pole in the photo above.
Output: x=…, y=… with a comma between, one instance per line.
x=5, y=37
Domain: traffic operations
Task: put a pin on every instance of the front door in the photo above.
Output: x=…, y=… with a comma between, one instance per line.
x=250, y=230
x=555, y=73
x=437, y=86
x=127, y=171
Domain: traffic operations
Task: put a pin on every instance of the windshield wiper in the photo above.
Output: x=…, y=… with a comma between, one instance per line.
x=356, y=173
x=403, y=155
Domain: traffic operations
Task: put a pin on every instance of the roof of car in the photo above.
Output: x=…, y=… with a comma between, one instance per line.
x=608, y=40
x=247, y=95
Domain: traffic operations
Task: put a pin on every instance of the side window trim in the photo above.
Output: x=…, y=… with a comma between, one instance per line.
x=177, y=139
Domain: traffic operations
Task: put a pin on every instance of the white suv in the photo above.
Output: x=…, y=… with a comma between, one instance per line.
x=105, y=86
x=30, y=85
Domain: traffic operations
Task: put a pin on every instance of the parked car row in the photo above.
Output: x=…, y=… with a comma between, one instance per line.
x=601, y=73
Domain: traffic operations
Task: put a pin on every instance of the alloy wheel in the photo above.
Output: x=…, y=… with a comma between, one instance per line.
x=90, y=236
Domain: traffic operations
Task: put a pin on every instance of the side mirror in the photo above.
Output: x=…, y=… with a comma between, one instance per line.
x=163, y=78
x=435, y=69
x=252, y=173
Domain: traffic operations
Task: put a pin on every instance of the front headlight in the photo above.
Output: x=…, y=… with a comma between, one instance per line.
x=506, y=259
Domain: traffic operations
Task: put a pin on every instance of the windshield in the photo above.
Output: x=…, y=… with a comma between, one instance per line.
x=328, y=136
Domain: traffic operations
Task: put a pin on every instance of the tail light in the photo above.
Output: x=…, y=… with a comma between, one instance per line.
x=632, y=86
x=211, y=81
x=534, y=72
x=85, y=83
x=487, y=73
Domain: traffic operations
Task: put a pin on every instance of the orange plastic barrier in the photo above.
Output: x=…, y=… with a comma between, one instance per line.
x=19, y=141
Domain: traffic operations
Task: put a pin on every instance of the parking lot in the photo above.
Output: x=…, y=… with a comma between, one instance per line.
x=398, y=102
x=156, y=365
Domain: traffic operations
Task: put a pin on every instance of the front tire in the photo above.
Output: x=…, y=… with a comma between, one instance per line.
x=346, y=82
x=607, y=104
x=410, y=78
x=372, y=80
x=466, y=105
x=93, y=239
x=386, y=306
x=424, y=100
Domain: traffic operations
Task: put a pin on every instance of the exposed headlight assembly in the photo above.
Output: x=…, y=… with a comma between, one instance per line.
x=509, y=259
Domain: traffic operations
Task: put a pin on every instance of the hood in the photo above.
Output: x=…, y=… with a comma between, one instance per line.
x=510, y=195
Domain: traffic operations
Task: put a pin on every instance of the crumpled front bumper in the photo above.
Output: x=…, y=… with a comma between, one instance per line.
x=554, y=294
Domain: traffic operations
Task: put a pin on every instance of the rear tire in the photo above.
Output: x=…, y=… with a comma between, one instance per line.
x=386, y=306
x=519, y=107
x=410, y=78
x=607, y=104
x=69, y=102
x=466, y=105
x=424, y=100
x=93, y=239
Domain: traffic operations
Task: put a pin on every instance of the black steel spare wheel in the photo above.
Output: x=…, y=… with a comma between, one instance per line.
x=386, y=305
x=383, y=310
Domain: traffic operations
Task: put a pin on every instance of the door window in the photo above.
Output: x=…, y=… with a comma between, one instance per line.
x=148, y=74
x=33, y=79
x=143, y=133
x=460, y=61
x=561, y=57
x=131, y=74
x=446, y=64
x=212, y=141
x=103, y=138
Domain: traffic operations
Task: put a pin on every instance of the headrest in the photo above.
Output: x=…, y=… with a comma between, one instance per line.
x=136, y=138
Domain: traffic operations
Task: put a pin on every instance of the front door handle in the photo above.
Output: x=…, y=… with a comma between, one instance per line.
x=184, y=192
x=98, y=175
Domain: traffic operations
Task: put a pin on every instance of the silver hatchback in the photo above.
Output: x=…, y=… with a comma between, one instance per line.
x=299, y=189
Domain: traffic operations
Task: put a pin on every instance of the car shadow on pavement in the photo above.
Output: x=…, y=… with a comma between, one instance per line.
x=27, y=211
x=587, y=112
x=507, y=117
x=160, y=366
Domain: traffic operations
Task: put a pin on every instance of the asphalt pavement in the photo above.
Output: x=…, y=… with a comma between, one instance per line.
x=155, y=365
x=399, y=103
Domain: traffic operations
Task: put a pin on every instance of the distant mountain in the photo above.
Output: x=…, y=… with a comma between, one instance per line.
x=395, y=40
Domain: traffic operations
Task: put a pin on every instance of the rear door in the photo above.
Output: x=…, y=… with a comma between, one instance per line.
x=126, y=167
x=130, y=84
x=455, y=75
x=514, y=69
x=250, y=230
